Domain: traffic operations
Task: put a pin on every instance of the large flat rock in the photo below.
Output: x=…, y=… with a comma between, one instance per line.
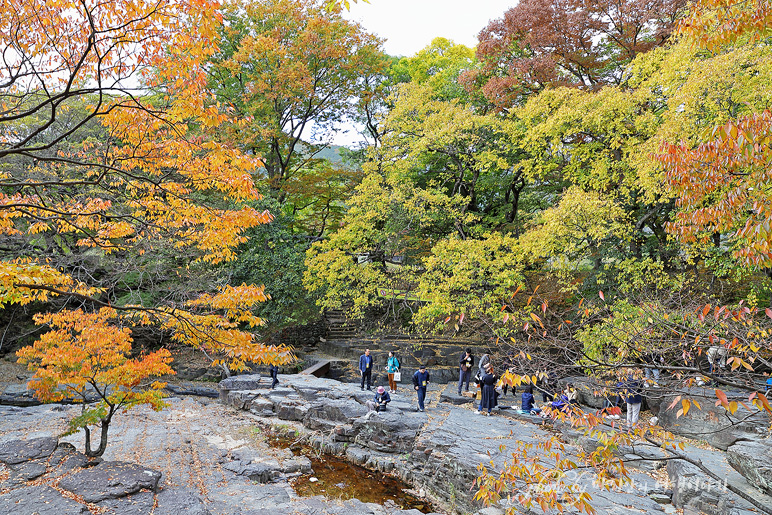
x=19, y=451
x=39, y=500
x=110, y=480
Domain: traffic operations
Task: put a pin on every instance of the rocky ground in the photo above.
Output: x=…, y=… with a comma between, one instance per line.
x=207, y=456
x=439, y=450
x=201, y=456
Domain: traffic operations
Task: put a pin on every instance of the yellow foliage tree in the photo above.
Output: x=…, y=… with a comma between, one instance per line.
x=107, y=156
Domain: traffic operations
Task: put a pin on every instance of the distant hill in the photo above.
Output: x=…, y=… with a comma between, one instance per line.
x=331, y=154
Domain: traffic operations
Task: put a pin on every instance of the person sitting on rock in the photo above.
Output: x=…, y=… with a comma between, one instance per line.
x=528, y=400
x=561, y=403
x=380, y=400
x=654, y=361
x=572, y=394
x=716, y=355
x=610, y=404
x=546, y=385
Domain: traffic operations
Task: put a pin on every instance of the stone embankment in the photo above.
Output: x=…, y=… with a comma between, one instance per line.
x=439, y=451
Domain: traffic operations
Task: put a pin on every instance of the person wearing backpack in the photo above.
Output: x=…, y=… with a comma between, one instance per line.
x=392, y=367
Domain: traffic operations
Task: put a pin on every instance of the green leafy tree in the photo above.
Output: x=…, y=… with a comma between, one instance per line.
x=285, y=69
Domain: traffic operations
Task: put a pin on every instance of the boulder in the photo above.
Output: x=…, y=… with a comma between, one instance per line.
x=198, y=391
x=245, y=382
x=110, y=480
x=712, y=423
x=327, y=413
x=388, y=431
x=39, y=500
x=290, y=409
x=262, y=406
x=19, y=451
x=18, y=395
x=31, y=470
x=296, y=464
x=242, y=399
x=696, y=491
x=754, y=461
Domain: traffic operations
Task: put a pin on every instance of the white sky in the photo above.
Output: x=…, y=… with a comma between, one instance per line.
x=410, y=25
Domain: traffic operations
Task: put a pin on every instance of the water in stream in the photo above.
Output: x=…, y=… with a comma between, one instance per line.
x=339, y=479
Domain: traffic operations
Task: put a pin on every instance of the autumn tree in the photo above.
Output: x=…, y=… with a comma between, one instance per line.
x=582, y=43
x=107, y=158
x=719, y=177
x=85, y=358
x=287, y=69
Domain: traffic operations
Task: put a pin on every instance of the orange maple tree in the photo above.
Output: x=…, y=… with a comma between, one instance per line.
x=85, y=358
x=107, y=158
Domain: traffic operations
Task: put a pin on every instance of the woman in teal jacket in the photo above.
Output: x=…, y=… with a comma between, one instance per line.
x=392, y=365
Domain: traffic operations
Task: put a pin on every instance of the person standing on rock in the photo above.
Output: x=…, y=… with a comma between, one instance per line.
x=484, y=360
x=420, y=382
x=366, y=369
x=488, y=396
x=274, y=369
x=392, y=367
x=633, y=395
x=465, y=369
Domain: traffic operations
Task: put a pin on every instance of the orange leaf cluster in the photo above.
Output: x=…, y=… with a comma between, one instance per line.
x=712, y=23
x=86, y=353
x=721, y=186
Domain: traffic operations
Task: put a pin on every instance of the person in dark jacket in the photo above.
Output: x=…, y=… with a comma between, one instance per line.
x=366, y=368
x=631, y=391
x=274, y=370
x=420, y=382
x=561, y=402
x=465, y=369
x=528, y=401
x=381, y=399
x=488, y=396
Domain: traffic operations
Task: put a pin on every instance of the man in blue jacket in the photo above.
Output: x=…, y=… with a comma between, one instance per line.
x=420, y=382
x=366, y=369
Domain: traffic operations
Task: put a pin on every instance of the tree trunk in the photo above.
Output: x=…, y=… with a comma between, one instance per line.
x=105, y=425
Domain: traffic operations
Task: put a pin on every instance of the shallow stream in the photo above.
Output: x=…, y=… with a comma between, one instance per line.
x=336, y=478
